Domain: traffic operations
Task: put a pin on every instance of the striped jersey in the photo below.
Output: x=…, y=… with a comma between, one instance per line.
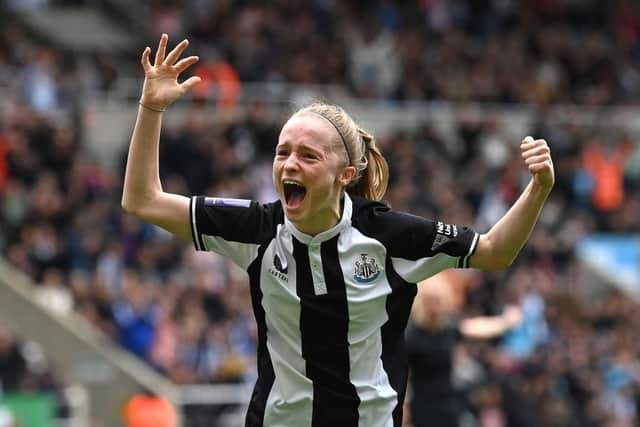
x=331, y=309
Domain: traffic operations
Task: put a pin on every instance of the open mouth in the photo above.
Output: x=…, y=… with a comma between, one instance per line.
x=294, y=193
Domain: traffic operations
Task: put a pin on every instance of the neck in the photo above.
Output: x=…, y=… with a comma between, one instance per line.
x=323, y=220
x=320, y=222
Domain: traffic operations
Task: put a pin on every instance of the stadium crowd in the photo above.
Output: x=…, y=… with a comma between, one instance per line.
x=573, y=360
x=508, y=51
x=533, y=51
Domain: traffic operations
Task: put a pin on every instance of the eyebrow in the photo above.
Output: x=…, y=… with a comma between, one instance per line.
x=302, y=147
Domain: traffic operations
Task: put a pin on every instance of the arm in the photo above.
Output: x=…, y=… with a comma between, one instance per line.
x=142, y=195
x=499, y=247
x=486, y=327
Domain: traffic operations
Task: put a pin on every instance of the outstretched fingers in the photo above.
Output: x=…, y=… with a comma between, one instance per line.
x=162, y=47
x=161, y=86
x=176, y=52
x=144, y=60
x=189, y=83
x=185, y=63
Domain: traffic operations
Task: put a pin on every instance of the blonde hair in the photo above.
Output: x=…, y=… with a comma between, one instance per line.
x=372, y=171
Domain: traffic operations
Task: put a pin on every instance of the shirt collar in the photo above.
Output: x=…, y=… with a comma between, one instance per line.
x=345, y=221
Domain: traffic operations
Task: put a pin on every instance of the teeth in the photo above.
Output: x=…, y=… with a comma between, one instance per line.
x=288, y=181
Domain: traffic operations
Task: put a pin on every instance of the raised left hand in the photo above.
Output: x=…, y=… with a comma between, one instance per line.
x=537, y=156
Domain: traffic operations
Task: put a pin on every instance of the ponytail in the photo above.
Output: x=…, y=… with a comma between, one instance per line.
x=371, y=182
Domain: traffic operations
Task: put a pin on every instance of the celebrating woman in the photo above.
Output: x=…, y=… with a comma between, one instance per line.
x=332, y=269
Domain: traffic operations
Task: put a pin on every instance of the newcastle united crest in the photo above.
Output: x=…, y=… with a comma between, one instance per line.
x=366, y=269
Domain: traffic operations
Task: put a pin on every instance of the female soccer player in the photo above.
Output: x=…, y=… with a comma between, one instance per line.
x=332, y=270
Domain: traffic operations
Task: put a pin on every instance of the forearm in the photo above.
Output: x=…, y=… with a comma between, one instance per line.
x=500, y=246
x=142, y=195
x=484, y=327
x=142, y=177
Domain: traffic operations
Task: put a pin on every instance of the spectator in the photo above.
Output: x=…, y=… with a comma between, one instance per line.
x=135, y=315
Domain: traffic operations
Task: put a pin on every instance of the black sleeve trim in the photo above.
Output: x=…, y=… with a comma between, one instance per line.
x=195, y=235
x=463, y=262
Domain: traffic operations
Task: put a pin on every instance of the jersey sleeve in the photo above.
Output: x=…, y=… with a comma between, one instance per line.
x=433, y=246
x=231, y=227
x=419, y=247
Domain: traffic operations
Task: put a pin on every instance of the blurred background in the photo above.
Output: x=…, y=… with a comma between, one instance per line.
x=103, y=317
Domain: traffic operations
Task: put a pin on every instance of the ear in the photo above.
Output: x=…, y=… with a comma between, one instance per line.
x=347, y=175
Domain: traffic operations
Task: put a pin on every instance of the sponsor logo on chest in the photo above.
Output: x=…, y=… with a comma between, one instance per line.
x=277, y=270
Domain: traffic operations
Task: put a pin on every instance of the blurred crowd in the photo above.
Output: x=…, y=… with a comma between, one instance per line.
x=531, y=51
x=571, y=362
x=508, y=51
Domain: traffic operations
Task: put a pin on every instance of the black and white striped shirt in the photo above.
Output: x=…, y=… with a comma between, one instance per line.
x=331, y=309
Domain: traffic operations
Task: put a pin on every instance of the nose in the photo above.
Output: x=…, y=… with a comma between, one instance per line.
x=291, y=162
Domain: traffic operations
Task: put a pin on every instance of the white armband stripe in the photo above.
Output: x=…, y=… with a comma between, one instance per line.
x=194, y=227
x=472, y=249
